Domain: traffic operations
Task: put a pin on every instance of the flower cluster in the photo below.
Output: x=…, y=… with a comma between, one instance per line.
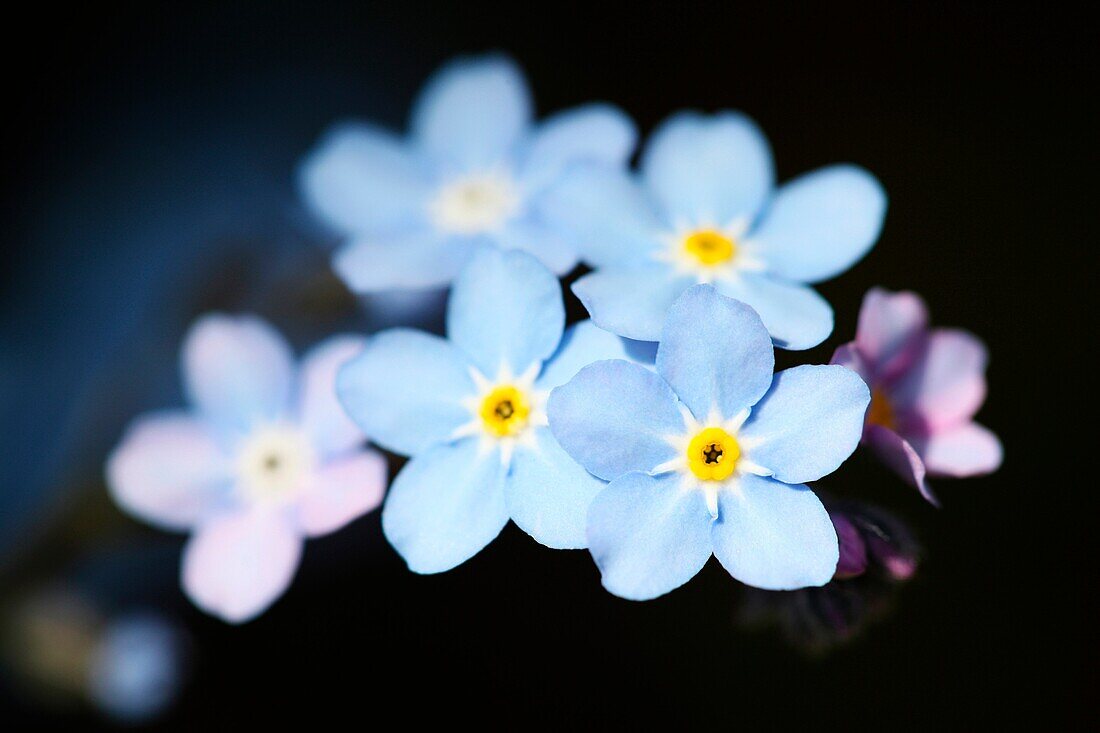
x=655, y=435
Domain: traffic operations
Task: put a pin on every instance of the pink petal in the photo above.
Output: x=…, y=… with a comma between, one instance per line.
x=946, y=384
x=900, y=457
x=966, y=450
x=319, y=412
x=342, y=491
x=891, y=329
x=236, y=565
x=238, y=371
x=169, y=471
x=847, y=355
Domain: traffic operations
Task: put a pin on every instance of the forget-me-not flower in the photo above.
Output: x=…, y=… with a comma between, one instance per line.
x=926, y=386
x=469, y=410
x=709, y=454
x=704, y=210
x=470, y=172
x=265, y=458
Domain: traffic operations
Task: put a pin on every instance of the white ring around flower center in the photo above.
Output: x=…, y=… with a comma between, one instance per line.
x=475, y=203
x=273, y=463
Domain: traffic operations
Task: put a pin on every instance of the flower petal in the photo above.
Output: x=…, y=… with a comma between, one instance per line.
x=236, y=565
x=505, y=311
x=945, y=385
x=849, y=357
x=969, y=449
x=607, y=212
x=237, y=370
x=320, y=413
x=615, y=417
x=362, y=180
x=708, y=169
x=808, y=423
x=795, y=315
x=582, y=344
x=648, y=535
x=445, y=505
x=891, y=331
x=405, y=390
x=342, y=491
x=473, y=111
x=169, y=471
x=901, y=458
x=631, y=301
x=548, y=493
x=821, y=223
x=543, y=242
x=594, y=133
x=715, y=353
x=774, y=536
x=417, y=259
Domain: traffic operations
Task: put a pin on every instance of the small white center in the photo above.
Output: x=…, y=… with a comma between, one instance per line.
x=273, y=463
x=476, y=203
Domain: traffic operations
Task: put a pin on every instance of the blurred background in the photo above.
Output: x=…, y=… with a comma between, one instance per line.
x=149, y=177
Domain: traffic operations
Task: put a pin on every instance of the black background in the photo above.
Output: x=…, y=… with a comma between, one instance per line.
x=978, y=120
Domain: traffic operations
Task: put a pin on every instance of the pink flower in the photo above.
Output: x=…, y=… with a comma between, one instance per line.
x=926, y=386
x=265, y=458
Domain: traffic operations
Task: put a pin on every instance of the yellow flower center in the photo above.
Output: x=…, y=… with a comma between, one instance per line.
x=881, y=412
x=712, y=454
x=710, y=247
x=504, y=411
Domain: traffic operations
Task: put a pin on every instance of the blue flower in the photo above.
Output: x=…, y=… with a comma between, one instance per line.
x=704, y=211
x=471, y=172
x=709, y=454
x=265, y=459
x=470, y=412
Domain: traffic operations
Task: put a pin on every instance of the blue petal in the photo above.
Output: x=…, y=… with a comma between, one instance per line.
x=708, y=169
x=547, y=244
x=715, y=353
x=473, y=112
x=583, y=344
x=238, y=371
x=615, y=417
x=405, y=390
x=795, y=315
x=505, y=311
x=774, y=536
x=820, y=224
x=808, y=423
x=595, y=133
x=417, y=259
x=548, y=493
x=631, y=301
x=445, y=505
x=608, y=214
x=648, y=535
x=361, y=180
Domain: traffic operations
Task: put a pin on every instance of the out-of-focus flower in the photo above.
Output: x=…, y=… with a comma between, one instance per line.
x=926, y=386
x=709, y=454
x=470, y=411
x=704, y=211
x=265, y=458
x=62, y=647
x=470, y=173
x=136, y=669
x=877, y=554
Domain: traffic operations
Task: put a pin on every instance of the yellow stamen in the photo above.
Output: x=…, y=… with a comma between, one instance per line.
x=504, y=411
x=710, y=247
x=881, y=412
x=712, y=454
